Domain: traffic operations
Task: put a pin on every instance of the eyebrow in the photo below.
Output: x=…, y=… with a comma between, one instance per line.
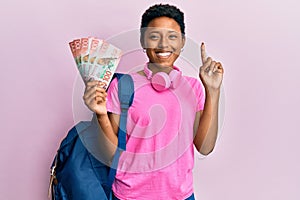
x=159, y=32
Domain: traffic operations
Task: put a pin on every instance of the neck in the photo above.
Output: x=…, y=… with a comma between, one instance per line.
x=159, y=68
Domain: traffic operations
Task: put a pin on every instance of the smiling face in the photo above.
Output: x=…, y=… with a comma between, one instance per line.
x=163, y=41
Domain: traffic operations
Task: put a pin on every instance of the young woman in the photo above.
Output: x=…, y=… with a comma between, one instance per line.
x=170, y=113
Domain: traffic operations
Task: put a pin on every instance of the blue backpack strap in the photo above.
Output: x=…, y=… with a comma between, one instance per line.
x=126, y=95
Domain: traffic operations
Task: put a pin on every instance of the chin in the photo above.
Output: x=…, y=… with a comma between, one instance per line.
x=162, y=64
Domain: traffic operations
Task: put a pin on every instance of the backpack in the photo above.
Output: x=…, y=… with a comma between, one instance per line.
x=76, y=174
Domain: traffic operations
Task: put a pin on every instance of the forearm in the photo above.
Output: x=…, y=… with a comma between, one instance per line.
x=107, y=139
x=207, y=132
x=107, y=129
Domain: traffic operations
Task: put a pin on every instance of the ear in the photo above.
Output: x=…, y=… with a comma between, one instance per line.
x=142, y=42
x=142, y=37
x=183, y=40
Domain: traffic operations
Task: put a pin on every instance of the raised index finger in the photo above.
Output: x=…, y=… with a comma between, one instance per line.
x=203, y=53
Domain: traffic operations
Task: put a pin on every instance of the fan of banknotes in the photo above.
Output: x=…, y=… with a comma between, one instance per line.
x=96, y=59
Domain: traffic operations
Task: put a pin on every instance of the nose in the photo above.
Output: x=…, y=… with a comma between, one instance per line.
x=163, y=43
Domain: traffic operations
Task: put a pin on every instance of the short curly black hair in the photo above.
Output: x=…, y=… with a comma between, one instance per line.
x=162, y=10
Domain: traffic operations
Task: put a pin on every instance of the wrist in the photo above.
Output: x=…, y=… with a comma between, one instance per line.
x=214, y=94
x=101, y=116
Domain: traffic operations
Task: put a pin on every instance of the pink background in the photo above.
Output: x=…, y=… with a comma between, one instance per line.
x=258, y=42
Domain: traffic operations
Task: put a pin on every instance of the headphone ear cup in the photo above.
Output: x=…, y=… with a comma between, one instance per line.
x=175, y=77
x=161, y=81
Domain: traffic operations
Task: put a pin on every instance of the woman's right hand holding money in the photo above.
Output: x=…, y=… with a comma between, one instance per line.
x=95, y=97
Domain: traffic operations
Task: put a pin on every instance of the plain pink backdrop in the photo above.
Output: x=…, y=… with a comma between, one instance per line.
x=258, y=42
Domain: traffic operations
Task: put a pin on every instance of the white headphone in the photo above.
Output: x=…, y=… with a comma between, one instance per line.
x=161, y=80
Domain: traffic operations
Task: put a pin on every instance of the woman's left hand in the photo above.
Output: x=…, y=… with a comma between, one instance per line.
x=211, y=72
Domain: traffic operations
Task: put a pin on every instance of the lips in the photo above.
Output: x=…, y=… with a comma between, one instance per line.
x=163, y=54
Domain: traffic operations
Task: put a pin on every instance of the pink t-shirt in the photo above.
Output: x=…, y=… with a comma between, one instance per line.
x=159, y=155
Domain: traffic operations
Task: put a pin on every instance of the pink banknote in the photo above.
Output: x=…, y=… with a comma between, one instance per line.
x=96, y=59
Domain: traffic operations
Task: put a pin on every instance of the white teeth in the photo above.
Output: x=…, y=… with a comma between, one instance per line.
x=165, y=54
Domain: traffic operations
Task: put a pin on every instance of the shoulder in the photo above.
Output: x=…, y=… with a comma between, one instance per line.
x=113, y=87
x=194, y=82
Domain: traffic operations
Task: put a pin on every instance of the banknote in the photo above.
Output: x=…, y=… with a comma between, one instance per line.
x=96, y=59
x=75, y=46
x=105, y=64
x=84, y=54
x=95, y=44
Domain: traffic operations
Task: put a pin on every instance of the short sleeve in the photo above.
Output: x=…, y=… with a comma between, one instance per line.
x=199, y=92
x=112, y=102
x=201, y=96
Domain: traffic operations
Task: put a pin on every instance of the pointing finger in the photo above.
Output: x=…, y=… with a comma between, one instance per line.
x=203, y=53
x=207, y=63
